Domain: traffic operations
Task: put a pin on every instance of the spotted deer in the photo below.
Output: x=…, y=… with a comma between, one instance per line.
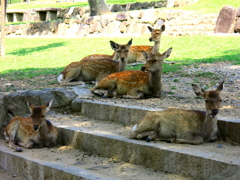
x=93, y=69
x=183, y=126
x=135, y=51
x=135, y=84
x=33, y=131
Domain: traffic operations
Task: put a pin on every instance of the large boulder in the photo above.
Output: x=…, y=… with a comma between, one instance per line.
x=16, y=104
x=237, y=26
x=226, y=20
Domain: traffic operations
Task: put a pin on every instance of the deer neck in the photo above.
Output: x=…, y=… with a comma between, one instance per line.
x=122, y=65
x=155, y=80
x=43, y=130
x=156, y=47
x=209, y=126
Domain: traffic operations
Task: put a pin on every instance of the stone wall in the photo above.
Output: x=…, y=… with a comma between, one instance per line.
x=131, y=22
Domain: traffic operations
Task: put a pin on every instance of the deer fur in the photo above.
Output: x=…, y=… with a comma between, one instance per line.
x=93, y=69
x=183, y=126
x=32, y=131
x=135, y=84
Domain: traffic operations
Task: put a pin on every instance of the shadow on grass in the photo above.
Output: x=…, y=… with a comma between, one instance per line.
x=25, y=51
x=22, y=74
x=231, y=56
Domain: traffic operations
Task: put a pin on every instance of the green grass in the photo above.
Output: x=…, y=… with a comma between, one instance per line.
x=202, y=6
x=32, y=57
x=211, y=6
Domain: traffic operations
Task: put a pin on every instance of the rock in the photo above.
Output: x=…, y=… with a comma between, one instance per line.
x=136, y=6
x=4, y=117
x=149, y=16
x=238, y=12
x=226, y=20
x=116, y=8
x=123, y=16
x=16, y=104
x=237, y=26
x=170, y=3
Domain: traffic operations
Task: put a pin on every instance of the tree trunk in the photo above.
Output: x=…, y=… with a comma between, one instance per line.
x=98, y=7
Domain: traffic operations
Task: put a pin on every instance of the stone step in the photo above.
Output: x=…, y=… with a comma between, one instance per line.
x=192, y=22
x=107, y=136
x=66, y=162
x=198, y=16
x=184, y=28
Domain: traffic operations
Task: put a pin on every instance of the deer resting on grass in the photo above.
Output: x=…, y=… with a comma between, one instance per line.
x=33, y=131
x=135, y=84
x=183, y=126
x=135, y=51
x=93, y=69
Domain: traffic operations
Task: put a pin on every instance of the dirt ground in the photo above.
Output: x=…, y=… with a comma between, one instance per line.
x=177, y=89
x=177, y=92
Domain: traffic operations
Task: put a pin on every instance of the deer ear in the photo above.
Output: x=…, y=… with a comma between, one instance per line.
x=49, y=105
x=150, y=29
x=29, y=106
x=167, y=53
x=130, y=42
x=220, y=87
x=163, y=28
x=198, y=91
x=145, y=54
x=114, y=45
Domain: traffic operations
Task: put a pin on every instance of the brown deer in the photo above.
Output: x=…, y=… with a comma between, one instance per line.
x=183, y=126
x=33, y=131
x=135, y=51
x=135, y=84
x=94, y=69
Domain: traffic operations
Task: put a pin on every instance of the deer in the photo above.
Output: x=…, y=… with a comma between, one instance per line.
x=135, y=51
x=92, y=69
x=135, y=84
x=32, y=131
x=180, y=125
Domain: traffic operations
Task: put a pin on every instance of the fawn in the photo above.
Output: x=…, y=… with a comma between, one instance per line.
x=135, y=84
x=33, y=131
x=183, y=126
x=93, y=69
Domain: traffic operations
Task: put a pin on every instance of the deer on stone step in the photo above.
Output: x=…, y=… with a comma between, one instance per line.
x=33, y=131
x=93, y=69
x=135, y=84
x=183, y=126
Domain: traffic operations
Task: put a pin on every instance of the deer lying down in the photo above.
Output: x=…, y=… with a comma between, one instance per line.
x=93, y=69
x=135, y=51
x=182, y=126
x=135, y=84
x=33, y=131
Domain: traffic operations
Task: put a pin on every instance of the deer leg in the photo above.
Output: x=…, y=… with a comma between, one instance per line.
x=134, y=94
x=190, y=138
x=12, y=133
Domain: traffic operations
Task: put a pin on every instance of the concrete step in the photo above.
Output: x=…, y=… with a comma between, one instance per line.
x=67, y=163
x=102, y=131
x=183, y=28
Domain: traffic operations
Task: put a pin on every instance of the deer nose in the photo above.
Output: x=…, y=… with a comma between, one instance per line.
x=143, y=68
x=150, y=39
x=35, y=127
x=214, y=111
x=122, y=58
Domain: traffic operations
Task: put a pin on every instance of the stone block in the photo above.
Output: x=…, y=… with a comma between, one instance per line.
x=149, y=16
x=237, y=26
x=96, y=27
x=123, y=26
x=226, y=20
x=238, y=12
x=136, y=6
x=123, y=16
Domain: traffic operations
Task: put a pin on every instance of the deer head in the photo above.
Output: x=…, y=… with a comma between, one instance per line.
x=121, y=50
x=154, y=61
x=212, y=98
x=38, y=114
x=156, y=33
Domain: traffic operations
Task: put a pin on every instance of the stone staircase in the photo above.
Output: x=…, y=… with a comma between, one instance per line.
x=94, y=144
x=191, y=24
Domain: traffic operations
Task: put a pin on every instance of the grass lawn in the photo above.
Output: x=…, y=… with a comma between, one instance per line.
x=30, y=57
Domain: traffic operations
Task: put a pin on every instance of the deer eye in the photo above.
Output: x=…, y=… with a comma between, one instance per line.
x=42, y=116
x=206, y=101
x=220, y=100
